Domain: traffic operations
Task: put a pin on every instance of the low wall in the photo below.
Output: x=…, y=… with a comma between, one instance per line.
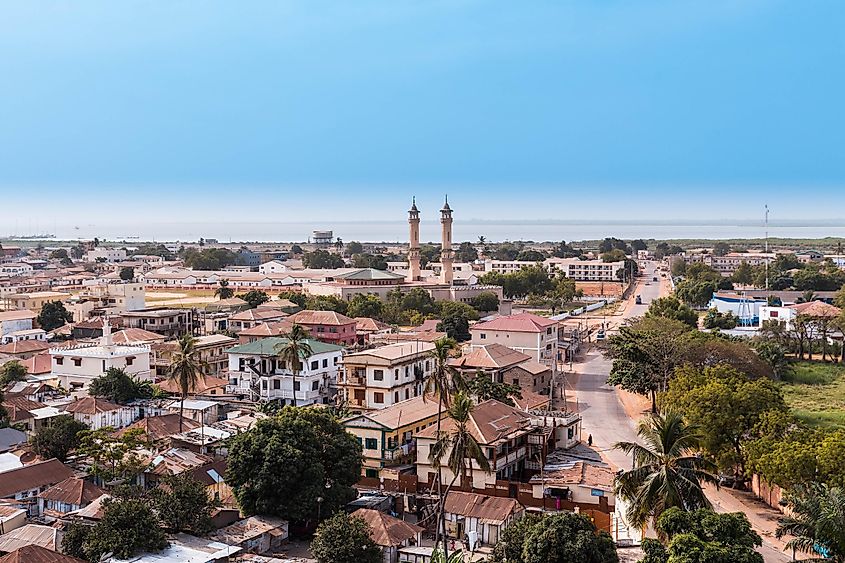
x=768, y=493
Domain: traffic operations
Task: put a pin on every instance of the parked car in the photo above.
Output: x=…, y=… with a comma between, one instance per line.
x=639, y=300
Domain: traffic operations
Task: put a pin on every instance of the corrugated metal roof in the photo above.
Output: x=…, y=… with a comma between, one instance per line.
x=491, y=509
x=271, y=346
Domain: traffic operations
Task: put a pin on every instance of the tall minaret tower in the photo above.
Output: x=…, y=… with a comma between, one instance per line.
x=414, y=244
x=446, y=254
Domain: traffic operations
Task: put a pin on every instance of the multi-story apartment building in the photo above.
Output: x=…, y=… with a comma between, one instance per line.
x=211, y=350
x=328, y=326
x=512, y=440
x=167, y=322
x=77, y=365
x=533, y=335
x=103, y=254
x=114, y=297
x=387, y=435
x=586, y=270
x=256, y=372
x=384, y=376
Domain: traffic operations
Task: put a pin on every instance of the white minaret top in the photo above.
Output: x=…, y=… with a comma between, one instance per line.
x=446, y=253
x=414, y=242
x=107, y=339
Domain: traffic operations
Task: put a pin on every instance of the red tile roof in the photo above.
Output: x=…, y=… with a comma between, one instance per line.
x=38, y=364
x=818, y=309
x=489, y=422
x=524, y=322
x=24, y=347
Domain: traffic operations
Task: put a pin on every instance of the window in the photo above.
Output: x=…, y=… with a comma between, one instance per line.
x=396, y=396
x=315, y=365
x=378, y=375
x=371, y=444
x=264, y=384
x=60, y=361
x=406, y=394
x=277, y=384
x=483, y=336
x=372, y=473
x=130, y=360
x=325, y=363
x=296, y=385
x=396, y=374
x=427, y=365
x=315, y=385
x=378, y=398
x=77, y=362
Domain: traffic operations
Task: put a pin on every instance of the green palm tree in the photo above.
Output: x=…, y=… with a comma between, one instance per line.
x=817, y=521
x=223, y=290
x=443, y=381
x=461, y=447
x=186, y=370
x=666, y=470
x=297, y=348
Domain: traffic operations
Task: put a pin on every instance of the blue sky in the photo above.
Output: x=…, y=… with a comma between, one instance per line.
x=278, y=110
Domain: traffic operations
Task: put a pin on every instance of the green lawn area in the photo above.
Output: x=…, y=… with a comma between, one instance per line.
x=816, y=393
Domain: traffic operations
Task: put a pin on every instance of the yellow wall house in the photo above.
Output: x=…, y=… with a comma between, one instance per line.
x=388, y=435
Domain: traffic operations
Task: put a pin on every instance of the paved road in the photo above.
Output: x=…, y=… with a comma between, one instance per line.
x=605, y=418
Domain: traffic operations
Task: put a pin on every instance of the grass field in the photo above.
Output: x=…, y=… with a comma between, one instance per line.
x=816, y=393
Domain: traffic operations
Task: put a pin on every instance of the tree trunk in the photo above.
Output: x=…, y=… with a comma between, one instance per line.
x=654, y=401
x=181, y=410
x=441, y=517
x=293, y=386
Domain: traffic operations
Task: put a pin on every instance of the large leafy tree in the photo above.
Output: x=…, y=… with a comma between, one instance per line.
x=369, y=306
x=726, y=406
x=119, y=387
x=128, y=527
x=58, y=438
x=285, y=463
x=671, y=308
x=565, y=538
x=11, y=372
x=296, y=348
x=186, y=370
x=645, y=355
x=183, y=504
x=512, y=541
x=345, y=538
x=114, y=459
x=255, y=297
x=320, y=259
x=485, y=301
x=817, y=521
x=53, y=315
x=702, y=536
x=667, y=472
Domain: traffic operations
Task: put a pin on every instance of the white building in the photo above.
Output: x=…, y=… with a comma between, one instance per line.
x=119, y=297
x=99, y=413
x=273, y=267
x=20, y=335
x=530, y=334
x=103, y=254
x=384, y=376
x=585, y=270
x=744, y=307
x=77, y=365
x=256, y=372
x=16, y=269
x=14, y=321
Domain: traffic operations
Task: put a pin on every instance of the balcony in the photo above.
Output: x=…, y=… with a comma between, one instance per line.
x=398, y=456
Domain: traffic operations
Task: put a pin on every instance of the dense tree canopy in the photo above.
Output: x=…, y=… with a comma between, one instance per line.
x=208, y=258
x=12, y=372
x=565, y=538
x=183, y=504
x=671, y=308
x=319, y=259
x=284, y=463
x=53, y=315
x=58, y=438
x=366, y=306
x=255, y=297
x=702, y=536
x=726, y=406
x=119, y=387
x=345, y=538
